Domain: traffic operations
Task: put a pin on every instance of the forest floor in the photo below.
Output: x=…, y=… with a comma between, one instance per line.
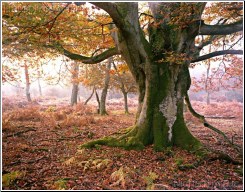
x=40, y=150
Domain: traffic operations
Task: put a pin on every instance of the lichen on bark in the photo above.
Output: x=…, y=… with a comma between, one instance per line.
x=169, y=110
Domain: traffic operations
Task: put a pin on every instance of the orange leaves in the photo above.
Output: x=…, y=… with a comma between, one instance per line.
x=225, y=10
x=112, y=72
x=175, y=58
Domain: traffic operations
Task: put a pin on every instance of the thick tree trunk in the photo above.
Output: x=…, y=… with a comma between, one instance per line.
x=28, y=94
x=74, y=94
x=160, y=69
x=105, y=88
x=161, y=120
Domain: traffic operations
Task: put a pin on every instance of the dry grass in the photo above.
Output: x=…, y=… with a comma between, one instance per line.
x=68, y=116
x=6, y=122
x=77, y=121
x=30, y=113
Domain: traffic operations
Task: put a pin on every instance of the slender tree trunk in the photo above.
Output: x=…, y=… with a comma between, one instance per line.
x=18, y=89
x=98, y=101
x=207, y=81
x=74, y=94
x=28, y=95
x=39, y=84
x=105, y=89
x=89, y=97
x=125, y=97
x=208, y=98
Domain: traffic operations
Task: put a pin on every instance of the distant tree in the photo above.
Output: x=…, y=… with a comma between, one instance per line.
x=75, y=83
x=98, y=77
x=123, y=80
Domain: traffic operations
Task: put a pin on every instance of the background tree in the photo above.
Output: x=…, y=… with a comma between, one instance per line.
x=75, y=83
x=221, y=75
x=123, y=80
x=98, y=77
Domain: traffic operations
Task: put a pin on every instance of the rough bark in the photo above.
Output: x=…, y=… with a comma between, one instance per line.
x=105, y=88
x=28, y=94
x=160, y=68
x=74, y=94
x=161, y=83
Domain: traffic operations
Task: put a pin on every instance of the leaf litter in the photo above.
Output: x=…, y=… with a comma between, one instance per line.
x=40, y=151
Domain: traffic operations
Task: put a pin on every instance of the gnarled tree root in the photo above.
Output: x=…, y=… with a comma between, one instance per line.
x=125, y=139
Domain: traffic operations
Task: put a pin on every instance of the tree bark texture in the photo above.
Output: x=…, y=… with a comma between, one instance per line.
x=105, y=88
x=75, y=73
x=160, y=68
x=162, y=81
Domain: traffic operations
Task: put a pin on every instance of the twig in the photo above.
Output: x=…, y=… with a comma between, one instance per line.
x=20, y=132
x=220, y=117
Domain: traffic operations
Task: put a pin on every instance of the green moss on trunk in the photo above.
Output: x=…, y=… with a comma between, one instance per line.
x=182, y=137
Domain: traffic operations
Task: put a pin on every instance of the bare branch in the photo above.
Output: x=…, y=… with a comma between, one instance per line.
x=221, y=29
x=206, y=124
x=217, y=53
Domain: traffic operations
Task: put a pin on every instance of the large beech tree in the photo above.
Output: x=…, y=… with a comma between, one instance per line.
x=158, y=58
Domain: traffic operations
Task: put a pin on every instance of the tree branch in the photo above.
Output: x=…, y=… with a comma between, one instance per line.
x=217, y=53
x=207, y=42
x=206, y=124
x=221, y=29
x=86, y=60
x=112, y=10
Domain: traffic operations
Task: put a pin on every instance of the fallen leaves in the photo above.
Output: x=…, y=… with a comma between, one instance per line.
x=50, y=159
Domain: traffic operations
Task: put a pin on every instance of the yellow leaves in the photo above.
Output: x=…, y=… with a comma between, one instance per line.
x=96, y=164
x=69, y=161
x=9, y=178
x=51, y=109
x=118, y=177
x=122, y=176
x=60, y=184
x=122, y=68
x=89, y=164
x=99, y=164
x=150, y=180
